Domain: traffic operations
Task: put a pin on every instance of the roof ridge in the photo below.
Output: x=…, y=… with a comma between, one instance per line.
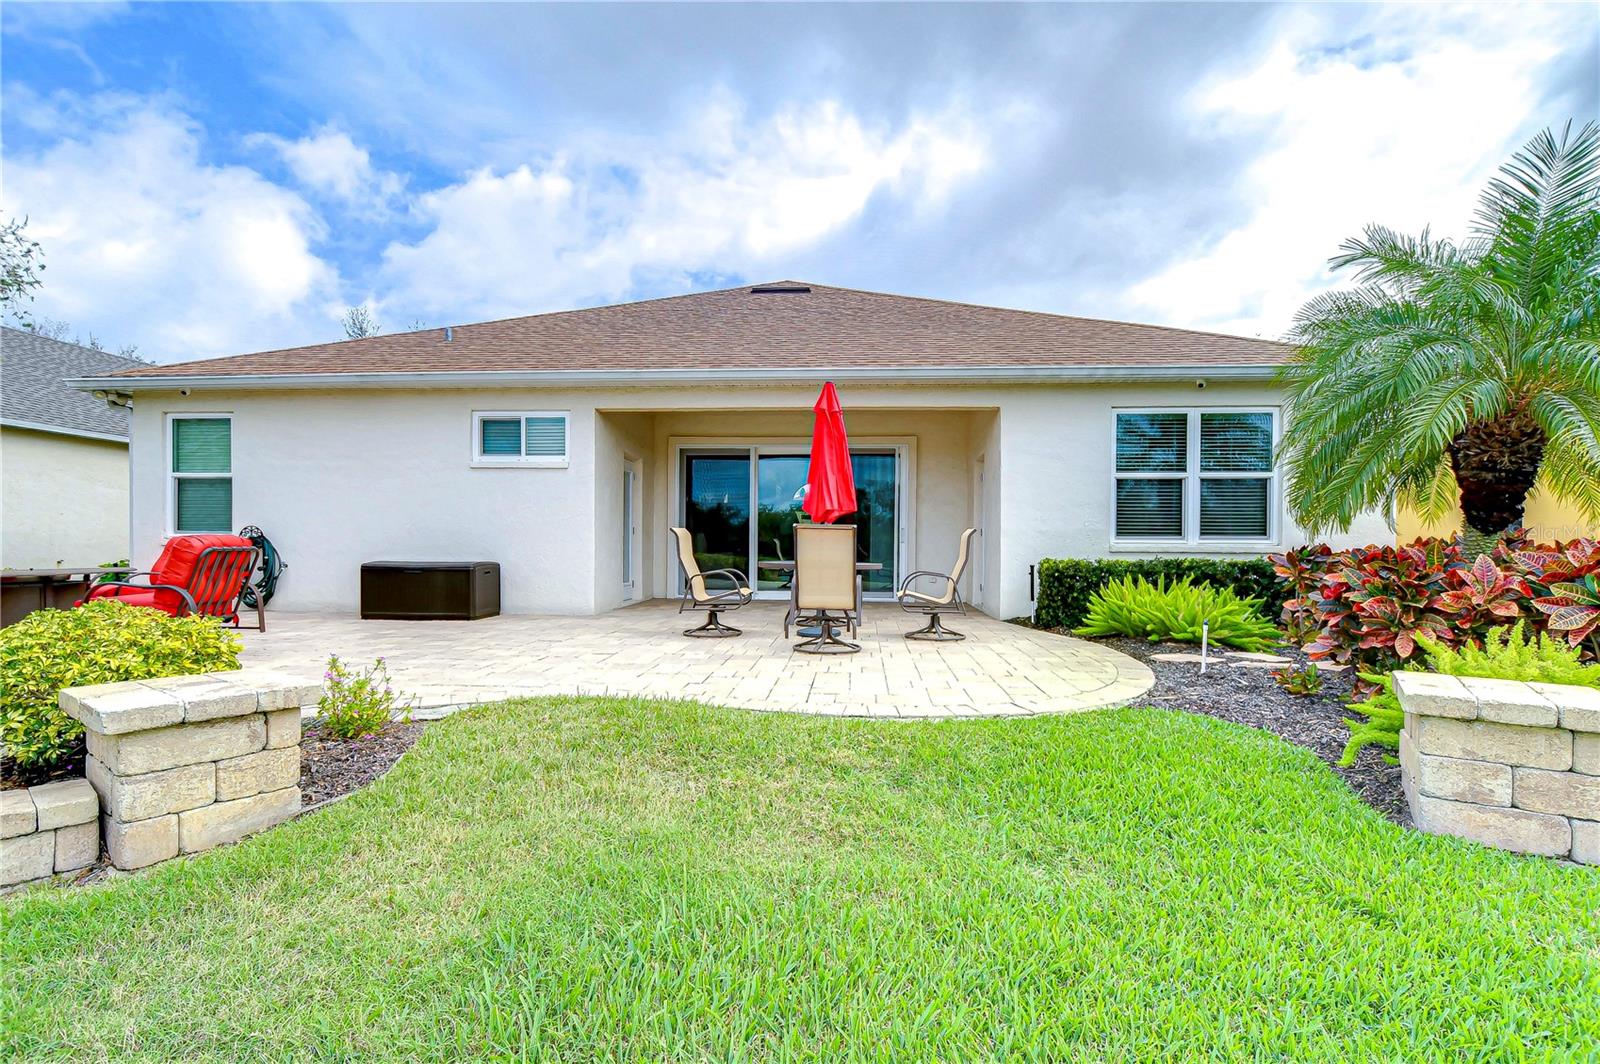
x=1048, y=314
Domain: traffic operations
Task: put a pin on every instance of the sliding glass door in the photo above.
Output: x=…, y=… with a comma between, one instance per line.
x=720, y=485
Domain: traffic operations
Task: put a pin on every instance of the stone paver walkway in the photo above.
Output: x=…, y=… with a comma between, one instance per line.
x=999, y=670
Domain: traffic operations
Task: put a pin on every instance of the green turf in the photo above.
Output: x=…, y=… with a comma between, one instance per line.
x=570, y=879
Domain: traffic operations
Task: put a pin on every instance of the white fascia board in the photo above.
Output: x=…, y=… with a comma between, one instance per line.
x=669, y=377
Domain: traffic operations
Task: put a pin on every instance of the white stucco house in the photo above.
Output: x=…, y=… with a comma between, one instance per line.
x=63, y=456
x=564, y=445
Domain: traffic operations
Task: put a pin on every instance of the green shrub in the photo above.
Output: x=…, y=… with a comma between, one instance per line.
x=1067, y=584
x=1511, y=654
x=358, y=703
x=1384, y=718
x=1162, y=612
x=102, y=642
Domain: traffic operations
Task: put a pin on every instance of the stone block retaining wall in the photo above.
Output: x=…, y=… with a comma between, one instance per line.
x=1509, y=764
x=185, y=763
x=48, y=829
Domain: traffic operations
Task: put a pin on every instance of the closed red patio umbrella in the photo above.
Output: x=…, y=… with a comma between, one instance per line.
x=830, y=482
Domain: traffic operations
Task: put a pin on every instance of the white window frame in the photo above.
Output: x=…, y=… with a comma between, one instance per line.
x=173, y=476
x=1191, y=477
x=494, y=461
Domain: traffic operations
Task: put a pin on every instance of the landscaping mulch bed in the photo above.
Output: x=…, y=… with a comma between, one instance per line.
x=12, y=776
x=1252, y=697
x=332, y=768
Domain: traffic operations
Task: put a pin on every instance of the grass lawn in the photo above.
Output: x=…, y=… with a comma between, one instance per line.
x=565, y=879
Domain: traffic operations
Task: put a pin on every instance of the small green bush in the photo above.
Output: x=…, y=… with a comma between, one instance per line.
x=1067, y=584
x=1162, y=612
x=102, y=642
x=1511, y=654
x=1303, y=682
x=1384, y=719
x=358, y=703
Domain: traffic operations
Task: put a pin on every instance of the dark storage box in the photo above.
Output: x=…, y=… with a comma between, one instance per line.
x=430, y=591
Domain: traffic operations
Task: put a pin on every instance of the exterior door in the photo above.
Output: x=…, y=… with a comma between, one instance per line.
x=741, y=506
x=630, y=531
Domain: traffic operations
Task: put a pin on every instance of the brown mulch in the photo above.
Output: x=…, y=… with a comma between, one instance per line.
x=11, y=776
x=331, y=768
x=1253, y=698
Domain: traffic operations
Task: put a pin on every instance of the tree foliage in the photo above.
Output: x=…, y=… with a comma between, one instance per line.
x=1459, y=374
x=20, y=267
x=359, y=322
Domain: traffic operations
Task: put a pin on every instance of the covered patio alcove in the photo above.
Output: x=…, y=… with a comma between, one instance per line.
x=732, y=475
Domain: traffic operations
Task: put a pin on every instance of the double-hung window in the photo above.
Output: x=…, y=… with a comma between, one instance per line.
x=1195, y=476
x=519, y=438
x=201, y=473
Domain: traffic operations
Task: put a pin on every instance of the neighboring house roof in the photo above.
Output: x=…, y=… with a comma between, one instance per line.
x=34, y=393
x=783, y=326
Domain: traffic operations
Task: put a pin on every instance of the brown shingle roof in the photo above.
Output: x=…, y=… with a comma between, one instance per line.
x=734, y=328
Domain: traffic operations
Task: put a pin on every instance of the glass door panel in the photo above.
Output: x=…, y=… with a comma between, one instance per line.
x=876, y=518
x=717, y=509
x=781, y=483
x=718, y=492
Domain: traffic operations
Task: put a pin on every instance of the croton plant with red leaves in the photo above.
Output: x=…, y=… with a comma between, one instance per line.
x=1371, y=604
x=1376, y=601
x=1565, y=589
x=1482, y=596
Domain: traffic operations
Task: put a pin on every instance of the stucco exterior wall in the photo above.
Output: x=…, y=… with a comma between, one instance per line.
x=63, y=500
x=337, y=478
x=1546, y=518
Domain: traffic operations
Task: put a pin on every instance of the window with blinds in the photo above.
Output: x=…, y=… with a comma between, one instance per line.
x=519, y=438
x=201, y=473
x=1194, y=475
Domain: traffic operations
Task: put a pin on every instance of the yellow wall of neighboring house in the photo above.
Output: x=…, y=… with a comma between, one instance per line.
x=1546, y=518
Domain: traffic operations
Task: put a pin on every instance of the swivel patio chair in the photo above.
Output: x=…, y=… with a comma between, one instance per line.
x=193, y=574
x=698, y=595
x=945, y=599
x=826, y=591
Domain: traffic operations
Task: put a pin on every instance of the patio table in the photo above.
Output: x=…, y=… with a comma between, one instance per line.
x=793, y=614
x=23, y=591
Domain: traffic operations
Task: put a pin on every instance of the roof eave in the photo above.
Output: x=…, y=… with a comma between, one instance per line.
x=62, y=430
x=1108, y=374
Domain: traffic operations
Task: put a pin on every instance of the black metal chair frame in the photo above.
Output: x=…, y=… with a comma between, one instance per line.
x=215, y=585
x=715, y=603
x=935, y=631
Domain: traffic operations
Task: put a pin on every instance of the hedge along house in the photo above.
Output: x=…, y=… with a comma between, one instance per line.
x=564, y=445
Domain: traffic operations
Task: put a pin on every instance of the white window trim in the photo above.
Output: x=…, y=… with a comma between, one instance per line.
x=483, y=461
x=173, y=476
x=1191, y=477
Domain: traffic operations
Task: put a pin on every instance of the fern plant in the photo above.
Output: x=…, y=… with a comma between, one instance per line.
x=1176, y=612
x=1384, y=719
x=1512, y=654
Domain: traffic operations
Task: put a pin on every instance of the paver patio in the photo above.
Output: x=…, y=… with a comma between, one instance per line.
x=999, y=670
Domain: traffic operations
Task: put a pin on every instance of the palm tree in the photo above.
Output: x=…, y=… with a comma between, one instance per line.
x=1459, y=374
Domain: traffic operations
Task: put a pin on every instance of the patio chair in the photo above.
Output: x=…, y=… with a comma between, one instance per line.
x=945, y=599
x=827, y=590
x=699, y=595
x=193, y=574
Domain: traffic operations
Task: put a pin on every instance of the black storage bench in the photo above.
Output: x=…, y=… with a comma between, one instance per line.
x=430, y=591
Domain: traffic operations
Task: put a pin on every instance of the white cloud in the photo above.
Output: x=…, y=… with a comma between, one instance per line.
x=144, y=243
x=1401, y=124
x=330, y=163
x=721, y=193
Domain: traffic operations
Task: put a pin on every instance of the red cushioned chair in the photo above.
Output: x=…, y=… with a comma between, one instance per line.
x=194, y=574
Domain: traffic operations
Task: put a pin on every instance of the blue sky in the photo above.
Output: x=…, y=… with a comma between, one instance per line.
x=210, y=179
